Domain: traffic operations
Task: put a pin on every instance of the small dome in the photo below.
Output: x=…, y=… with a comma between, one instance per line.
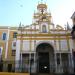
x=42, y=6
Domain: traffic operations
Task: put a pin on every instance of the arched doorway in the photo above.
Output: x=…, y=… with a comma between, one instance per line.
x=45, y=58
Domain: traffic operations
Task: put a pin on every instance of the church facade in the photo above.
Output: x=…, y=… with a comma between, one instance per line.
x=48, y=47
x=40, y=47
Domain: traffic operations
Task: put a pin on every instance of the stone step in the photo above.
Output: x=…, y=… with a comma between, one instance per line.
x=42, y=74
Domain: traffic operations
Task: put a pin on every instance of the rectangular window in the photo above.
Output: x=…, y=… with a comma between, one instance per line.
x=14, y=44
x=4, y=36
x=63, y=44
x=15, y=35
x=0, y=50
x=13, y=52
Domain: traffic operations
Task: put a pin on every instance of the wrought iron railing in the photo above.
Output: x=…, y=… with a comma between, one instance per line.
x=10, y=66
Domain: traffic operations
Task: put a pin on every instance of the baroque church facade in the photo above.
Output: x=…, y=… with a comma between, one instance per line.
x=49, y=47
x=40, y=47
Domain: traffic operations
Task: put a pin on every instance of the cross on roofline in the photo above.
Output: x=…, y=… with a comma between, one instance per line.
x=42, y=11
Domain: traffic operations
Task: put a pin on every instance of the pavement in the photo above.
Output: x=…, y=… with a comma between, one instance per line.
x=8, y=73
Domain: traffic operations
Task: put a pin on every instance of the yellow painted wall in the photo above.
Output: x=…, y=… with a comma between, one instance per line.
x=3, y=44
x=9, y=56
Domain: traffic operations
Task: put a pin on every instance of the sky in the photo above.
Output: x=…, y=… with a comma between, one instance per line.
x=12, y=12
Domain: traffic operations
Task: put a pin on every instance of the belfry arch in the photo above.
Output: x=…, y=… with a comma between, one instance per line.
x=45, y=58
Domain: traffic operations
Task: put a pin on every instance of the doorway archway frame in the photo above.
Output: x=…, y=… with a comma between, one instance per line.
x=47, y=42
x=51, y=45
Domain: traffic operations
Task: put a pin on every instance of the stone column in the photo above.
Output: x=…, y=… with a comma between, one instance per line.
x=29, y=62
x=72, y=63
x=61, y=69
x=55, y=62
x=7, y=42
x=17, y=57
x=59, y=66
x=21, y=62
x=35, y=62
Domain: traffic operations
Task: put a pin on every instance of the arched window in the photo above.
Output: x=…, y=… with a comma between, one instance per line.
x=44, y=29
x=4, y=36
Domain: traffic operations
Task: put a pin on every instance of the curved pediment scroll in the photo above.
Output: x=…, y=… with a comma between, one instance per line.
x=58, y=27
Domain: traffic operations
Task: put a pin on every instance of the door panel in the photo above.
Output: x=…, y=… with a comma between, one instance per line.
x=43, y=62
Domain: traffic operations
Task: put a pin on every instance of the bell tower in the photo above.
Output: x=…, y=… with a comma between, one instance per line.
x=42, y=17
x=42, y=8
